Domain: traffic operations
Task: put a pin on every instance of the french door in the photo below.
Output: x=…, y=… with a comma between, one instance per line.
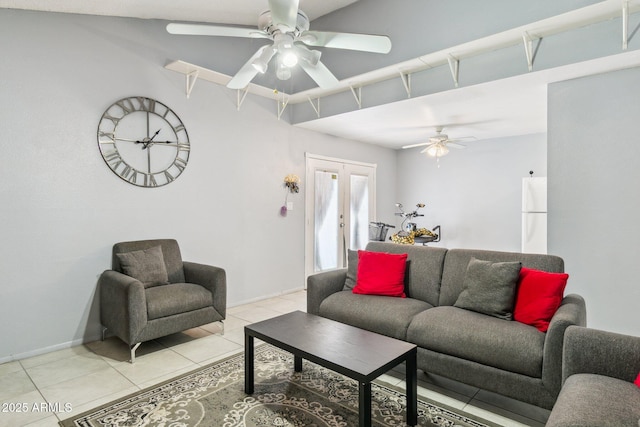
x=340, y=203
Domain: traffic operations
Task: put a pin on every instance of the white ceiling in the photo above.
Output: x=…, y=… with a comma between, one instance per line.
x=513, y=106
x=501, y=108
x=241, y=12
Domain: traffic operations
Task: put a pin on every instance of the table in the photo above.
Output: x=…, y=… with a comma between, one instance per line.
x=350, y=351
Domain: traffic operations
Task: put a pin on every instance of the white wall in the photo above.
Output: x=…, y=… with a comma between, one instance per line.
x=476, y=193
x=62, y=208
x=594, y=202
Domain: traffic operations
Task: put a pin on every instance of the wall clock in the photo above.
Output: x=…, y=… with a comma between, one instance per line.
x=143, y=141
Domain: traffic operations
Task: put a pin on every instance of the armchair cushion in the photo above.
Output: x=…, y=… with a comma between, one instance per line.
x=176, y=298
x=146, y=265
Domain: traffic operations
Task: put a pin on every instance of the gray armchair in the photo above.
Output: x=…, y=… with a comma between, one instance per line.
x=598, y=370
x=150, y=292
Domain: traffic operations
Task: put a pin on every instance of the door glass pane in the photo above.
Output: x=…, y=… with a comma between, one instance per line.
x=326, y=221
x=359, y=212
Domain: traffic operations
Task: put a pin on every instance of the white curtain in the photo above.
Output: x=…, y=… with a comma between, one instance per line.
x=325, y=231
x=359, y=212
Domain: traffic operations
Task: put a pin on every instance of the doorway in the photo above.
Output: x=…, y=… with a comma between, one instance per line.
x=339, y=204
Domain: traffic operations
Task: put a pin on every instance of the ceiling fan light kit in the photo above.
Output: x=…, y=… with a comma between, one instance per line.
x=288, y=27
x=436, y=150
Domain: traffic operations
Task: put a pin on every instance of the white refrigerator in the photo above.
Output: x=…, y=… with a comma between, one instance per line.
x=534, y=215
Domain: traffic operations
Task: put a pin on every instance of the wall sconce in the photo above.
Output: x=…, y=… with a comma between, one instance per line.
x=292, y=182
x=291, y=185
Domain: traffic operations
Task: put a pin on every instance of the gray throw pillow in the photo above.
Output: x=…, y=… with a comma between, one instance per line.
x=490, y=288
x=352, y=270
x=145, y=265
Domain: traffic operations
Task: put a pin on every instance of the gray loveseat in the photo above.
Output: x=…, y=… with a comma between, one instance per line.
x=506, y=357
x=598, y=370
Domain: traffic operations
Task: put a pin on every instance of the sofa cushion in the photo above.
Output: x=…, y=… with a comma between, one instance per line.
x=146, y=265
x=490, y=287
x=424, y=269
x=594, y=400
x=456, y=261
x=380, y=273
x=352, y=270
x=538, y=296
x=637, y=381
x=167, y=300
x=385, y=315
x=510, y=346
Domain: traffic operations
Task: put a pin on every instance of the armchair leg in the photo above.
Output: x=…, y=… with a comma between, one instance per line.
x=104, y=333
x=222, y=327
x=133, y=349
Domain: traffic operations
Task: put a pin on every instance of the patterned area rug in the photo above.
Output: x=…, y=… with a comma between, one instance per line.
x=213, y=396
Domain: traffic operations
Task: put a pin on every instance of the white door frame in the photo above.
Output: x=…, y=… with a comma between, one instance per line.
x=344, y=168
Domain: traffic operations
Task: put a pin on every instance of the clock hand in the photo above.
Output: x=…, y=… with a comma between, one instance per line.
x=148, y=142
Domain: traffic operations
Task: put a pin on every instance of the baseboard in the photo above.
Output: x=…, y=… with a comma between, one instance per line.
x=264, y=297
x=44, y=350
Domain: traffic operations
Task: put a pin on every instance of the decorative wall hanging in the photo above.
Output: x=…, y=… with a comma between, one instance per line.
x=291, y=185
x=143, y=141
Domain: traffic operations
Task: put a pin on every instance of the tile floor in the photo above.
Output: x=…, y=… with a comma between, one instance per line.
x=57, y=385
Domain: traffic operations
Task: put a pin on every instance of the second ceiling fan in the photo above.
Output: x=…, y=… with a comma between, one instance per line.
x=438, y=144
x=288, y=27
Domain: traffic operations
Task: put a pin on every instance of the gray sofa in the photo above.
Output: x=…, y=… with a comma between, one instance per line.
x=506, y=357
x=598, y=371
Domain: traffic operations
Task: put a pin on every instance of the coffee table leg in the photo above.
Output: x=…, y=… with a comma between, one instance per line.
x=248, y=364
x=364, y=404
x=297, y=363
x=412, y=389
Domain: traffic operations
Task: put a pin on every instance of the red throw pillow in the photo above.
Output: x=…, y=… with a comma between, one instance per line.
x=380, y=273
x=538, y=297
x=637, y=381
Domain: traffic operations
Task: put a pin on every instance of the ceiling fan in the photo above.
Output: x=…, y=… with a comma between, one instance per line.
x=288, y=27
x=438, y=145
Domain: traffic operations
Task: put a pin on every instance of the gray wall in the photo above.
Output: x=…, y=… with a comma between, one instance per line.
x=594, y=202
x=476, y=193
x=62, y=208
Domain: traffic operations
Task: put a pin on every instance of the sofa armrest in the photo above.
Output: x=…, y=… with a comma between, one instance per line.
x=321, y=285
x=212, y=278
x=593, y=351
x=572, y=311
x=123, y=305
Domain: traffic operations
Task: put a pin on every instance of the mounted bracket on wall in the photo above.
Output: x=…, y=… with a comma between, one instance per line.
x=316, y=106
x=454, y=66
x=357, y=96
x=240, y=98
x=528, y=49
x=625, y=24
x=406, y=81
x=190, y=80
x=282, y=104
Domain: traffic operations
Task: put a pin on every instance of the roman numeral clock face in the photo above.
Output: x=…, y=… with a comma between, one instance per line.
x=143, y=141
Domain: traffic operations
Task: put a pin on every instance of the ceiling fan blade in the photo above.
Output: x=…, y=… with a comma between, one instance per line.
x=320, y=74
x=363, y=42
x=454, y=145
x=248, y=71
x=428, y=147
x=421, y=144
x=214, y=30
x=284, y=14
x=462, y=138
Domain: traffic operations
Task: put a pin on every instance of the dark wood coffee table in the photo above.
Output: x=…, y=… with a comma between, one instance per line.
x=350, y=351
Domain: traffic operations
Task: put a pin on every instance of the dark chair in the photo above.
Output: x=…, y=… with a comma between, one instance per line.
x=150, y=292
